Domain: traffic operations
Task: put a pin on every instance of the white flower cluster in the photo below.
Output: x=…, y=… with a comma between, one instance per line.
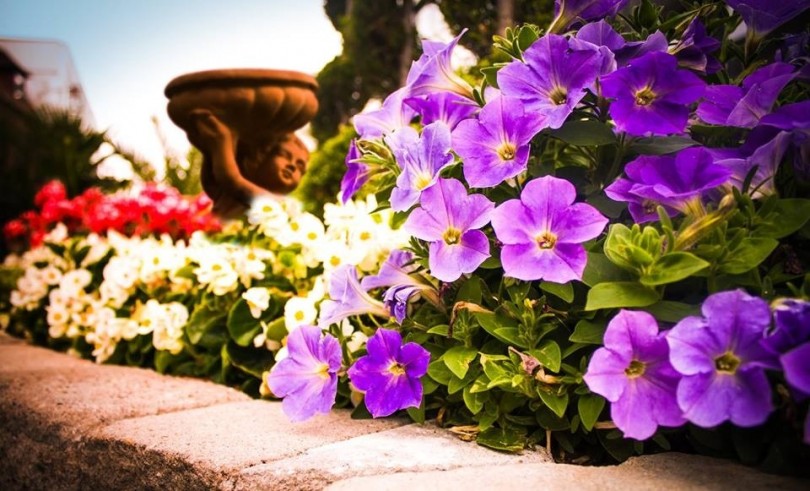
x=117, y=300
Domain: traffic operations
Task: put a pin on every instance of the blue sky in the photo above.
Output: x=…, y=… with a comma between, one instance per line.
x=125, y=52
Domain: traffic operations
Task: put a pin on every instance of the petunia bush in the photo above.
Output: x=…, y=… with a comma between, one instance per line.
x=609, y=256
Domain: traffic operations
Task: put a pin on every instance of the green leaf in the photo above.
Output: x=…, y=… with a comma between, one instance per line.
x=503, y=328
x=458, y=359
x=673, y=267
x=660, y=145
x=441, y=330
x=558, y=404
x=417, y=414
x=250, y=360
x=668, y=311
x=789, y=215
x=242, y=326
x=620, y=294
x=474, y=400
x=526, y=36
x=438, y=371
x=503, y=439
x=202, y=320
x=564, y=291
x=748, y=254
x=590, y=407
x=600, y=269
x=548, y=354
x=585, y=133
x=588, y=332
x=490, y=73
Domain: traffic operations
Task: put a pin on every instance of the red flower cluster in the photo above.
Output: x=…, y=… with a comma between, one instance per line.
x=155, y=210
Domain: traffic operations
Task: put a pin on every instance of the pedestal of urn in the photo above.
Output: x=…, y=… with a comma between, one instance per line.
x=243, y=121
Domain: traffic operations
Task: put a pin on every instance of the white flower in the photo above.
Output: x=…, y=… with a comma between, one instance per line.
x=75, y=281
x=336, y=253
x=122, y=271
x=305, y=229
x=51, y=275
x=58, y=234
x=250, y=263
x=268, y=214
x=98, y=249
x=258, y=299
x=216, y=272
x=299, y=311
x=58, y=318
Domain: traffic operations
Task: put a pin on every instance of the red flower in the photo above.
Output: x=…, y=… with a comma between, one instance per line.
x=51, y=191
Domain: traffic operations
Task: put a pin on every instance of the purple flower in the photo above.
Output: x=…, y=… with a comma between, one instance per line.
x=553, y=79
x=399, y=273
x=389, y=374
x=633, y=372
x=449, y=219
x=743, y=107
x=543, y=231
x=392, y=116
x=421, y=158
x=600, y=36
x=355, y=176
x=763, y=16
x=694, y=48
x=766, y=158
x=495, y=147
x=655, y=43
x=791, y=342
x=651, y=95
x=668, y=180
x=446, y=107
x=433, y=72
x=566, y=12
x=307, y=378
x=790, y=116
x=347, y=298
x=722, y=361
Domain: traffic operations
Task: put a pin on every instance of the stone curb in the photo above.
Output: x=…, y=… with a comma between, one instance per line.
x=71, y=424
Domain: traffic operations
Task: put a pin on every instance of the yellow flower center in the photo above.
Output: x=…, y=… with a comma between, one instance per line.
x=299, y=316
x=558, y=96
x=645, y=96
x=294, y=226
x=334, y=261
x=312, y=236
x=727, y=363
x=216, y=267
x=506, y=151
x=452, y=236
x=365, y=235
x=635, y=369
x=422, y=181
x=396, y=369
x=322, y=370
x=546, y=240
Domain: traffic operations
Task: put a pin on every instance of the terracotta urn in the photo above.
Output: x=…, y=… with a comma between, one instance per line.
x=243, y=121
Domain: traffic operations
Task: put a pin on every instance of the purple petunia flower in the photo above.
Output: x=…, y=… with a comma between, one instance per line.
x=433, y=72
x=633, y=372
x=694, y=48
x=553, y=79
x=347, y=298
x=763, y=16
x=393, y=115
x=667, y=180
x=399, y=273
x=495, y=147
x=601, y=37
x=421, y=158
x=722, y=360
x=446, y=107
x=743, y=107
x=566, y=12
x=355, y=176
x=389, y=374
x=307, y=377
x=656, y=42
x=543, y=231
x=766, y=158
x=449, y=219
x=651, y=95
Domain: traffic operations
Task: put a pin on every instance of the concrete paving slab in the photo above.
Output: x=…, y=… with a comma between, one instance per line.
x=415, y=448
x=239, y=435
x=670, y=471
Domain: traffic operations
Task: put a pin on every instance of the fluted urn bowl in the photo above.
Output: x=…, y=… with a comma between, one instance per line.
x=256, y=104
